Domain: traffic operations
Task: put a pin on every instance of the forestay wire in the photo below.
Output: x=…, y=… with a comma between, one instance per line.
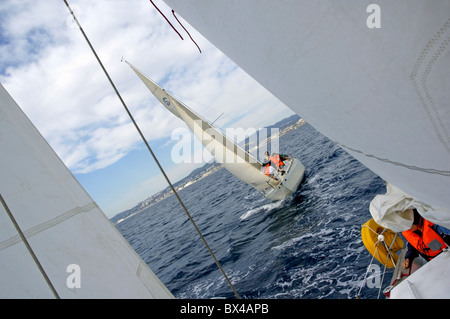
x=151, y=151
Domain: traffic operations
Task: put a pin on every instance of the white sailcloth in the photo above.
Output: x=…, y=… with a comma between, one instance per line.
x=382, y=93
x=80, y=251
x=236, y=160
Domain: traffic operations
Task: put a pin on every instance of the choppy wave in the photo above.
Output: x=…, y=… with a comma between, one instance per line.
x=264, y=208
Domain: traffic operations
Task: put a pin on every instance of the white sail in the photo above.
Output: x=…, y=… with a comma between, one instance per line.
x=79, y=250
x=236, y=160
x=380, y=93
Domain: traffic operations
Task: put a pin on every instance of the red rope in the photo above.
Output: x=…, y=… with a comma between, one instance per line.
x=173, y=12
x=166, y=19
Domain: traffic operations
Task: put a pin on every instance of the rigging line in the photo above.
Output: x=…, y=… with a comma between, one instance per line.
x=27, y=245
x=151, y=151
x=365, y=226
x=389, y=255
x=203, y=104
x=168, y=20
x=216, y=119
x=173, y=12
x=389, y=249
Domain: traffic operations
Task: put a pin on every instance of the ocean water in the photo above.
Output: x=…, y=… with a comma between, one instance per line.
x=306, y=246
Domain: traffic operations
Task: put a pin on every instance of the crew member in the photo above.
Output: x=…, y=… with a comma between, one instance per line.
x=277, y=159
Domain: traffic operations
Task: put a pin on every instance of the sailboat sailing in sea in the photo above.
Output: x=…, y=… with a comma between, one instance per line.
x=235, y=159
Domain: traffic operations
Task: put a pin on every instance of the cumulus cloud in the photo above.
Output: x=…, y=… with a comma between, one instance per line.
x=50, y=71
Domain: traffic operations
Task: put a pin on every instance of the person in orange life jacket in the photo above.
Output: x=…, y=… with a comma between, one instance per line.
x=277, y=160
x=424, y=238
x=267, y=157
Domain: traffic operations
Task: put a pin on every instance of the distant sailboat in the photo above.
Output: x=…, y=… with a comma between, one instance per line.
x=235, y=159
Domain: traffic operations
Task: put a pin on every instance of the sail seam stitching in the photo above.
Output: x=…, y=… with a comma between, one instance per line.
x=46, y=225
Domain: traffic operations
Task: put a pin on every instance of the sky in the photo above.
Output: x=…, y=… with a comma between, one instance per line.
x=50, y=71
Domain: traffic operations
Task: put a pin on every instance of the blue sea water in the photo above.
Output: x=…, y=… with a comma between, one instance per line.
x=306, y=246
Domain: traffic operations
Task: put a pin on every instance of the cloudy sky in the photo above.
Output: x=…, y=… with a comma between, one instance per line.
x=49, y=70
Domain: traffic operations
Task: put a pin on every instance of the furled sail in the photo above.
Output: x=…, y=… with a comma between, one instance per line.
x=379, y=90
x=69, y=249
x=236, y=160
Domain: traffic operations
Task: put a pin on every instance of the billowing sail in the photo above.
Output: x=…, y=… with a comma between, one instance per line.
x=236, y=160
x=372, y=78
x=69, y=249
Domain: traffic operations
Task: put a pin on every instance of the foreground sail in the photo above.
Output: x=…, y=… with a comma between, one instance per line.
x=236, y=160
x=371, y=77
x=69, y=248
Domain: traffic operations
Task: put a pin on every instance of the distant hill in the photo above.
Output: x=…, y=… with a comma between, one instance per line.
x=195, y=175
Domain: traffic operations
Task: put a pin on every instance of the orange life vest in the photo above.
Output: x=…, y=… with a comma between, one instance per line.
x=276, y=160
x=421, y=243
x=266, y=169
